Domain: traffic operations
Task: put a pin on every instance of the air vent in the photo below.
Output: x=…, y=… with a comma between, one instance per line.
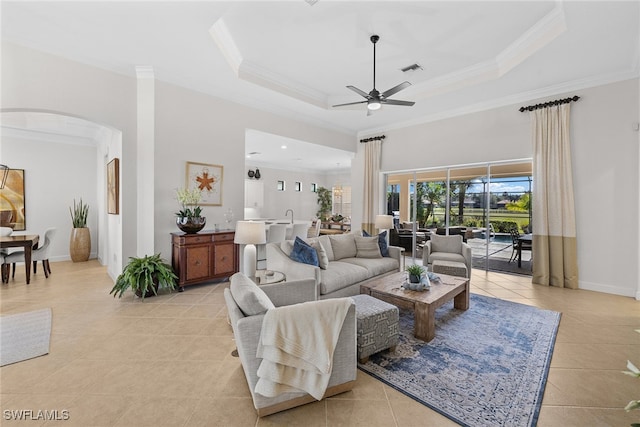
x=254, y=153
x=412, y=67
x=311, y=2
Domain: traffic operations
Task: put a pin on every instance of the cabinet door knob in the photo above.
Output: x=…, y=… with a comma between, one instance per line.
x=198, y=262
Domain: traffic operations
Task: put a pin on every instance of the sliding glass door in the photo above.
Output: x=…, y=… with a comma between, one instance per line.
x=485, y=204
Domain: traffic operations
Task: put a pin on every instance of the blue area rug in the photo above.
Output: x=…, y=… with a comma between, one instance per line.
x=487, y=366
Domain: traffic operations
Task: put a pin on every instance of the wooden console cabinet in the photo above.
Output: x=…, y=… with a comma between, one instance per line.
x=204, y=256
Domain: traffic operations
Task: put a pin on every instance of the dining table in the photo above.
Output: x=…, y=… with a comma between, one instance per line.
x=523, y=239
x=28, y=242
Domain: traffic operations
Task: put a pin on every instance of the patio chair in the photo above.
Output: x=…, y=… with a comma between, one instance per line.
x=515, y=237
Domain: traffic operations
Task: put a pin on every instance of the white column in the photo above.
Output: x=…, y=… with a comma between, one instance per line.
x=145, y=160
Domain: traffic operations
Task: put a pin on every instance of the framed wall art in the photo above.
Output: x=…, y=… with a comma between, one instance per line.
x=113, y=186
x=208, y=179
x=12, y=208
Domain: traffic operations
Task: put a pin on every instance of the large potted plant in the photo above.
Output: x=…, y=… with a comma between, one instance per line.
x=145, y=276
x=188, y=219
x=80, y=241
x=324, y=202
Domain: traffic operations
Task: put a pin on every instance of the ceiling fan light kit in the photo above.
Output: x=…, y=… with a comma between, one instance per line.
x=375, y=99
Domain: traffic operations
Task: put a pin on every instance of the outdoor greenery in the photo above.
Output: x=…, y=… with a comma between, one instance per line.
x=144, y=275
x=188, y=198
x=79, y=214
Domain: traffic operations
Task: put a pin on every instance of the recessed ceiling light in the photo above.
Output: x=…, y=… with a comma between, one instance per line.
x=284, y=147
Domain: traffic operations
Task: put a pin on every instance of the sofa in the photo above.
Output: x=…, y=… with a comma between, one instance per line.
x=350, y=260
x=247, y=305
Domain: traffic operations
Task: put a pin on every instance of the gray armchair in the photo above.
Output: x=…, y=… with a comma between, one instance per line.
x=247, y=329
x=447, y=248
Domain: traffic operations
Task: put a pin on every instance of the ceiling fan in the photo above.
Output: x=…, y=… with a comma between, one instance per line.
x=375, y=99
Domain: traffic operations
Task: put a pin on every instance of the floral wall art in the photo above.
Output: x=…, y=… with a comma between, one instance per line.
x=208, y=179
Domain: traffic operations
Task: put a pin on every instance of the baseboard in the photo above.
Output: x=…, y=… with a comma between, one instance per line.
x=609, y=289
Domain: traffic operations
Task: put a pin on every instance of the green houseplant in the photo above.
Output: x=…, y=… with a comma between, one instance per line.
x=415, y=273
x=189, y=218
x=145, y=276
x=324, y=201
x=80, y=241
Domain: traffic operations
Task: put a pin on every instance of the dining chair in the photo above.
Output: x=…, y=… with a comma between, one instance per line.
x=4, y=269
x=39, y=254
x=314, y=230
x=4, y=232
x=299, y=230
x=277, y=233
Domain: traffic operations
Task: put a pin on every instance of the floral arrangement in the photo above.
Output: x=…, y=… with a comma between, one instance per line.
x=189, y=200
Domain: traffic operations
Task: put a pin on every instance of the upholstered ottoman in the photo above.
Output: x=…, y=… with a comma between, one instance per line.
x=377, y=326
x=452, y=268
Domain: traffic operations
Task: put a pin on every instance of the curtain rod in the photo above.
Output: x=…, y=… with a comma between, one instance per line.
x=373, y=138
x=549, y=104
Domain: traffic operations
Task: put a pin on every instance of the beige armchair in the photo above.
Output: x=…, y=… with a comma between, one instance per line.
x=447, y=248
x=247, y=326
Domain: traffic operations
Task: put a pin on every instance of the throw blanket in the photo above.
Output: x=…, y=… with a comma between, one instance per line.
x=296, y=346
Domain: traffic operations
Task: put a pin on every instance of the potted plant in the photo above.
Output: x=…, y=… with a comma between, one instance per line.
x=415, y=273
x=188, y=218
x=324, y=201
x=145, y=276
x=80, y=241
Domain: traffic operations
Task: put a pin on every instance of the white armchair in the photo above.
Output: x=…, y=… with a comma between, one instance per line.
x=447, y=248
x=247, y=329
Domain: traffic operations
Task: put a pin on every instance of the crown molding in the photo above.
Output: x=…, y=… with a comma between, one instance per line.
x=224, y=40
x=535, y=38
x=253, y=73
x=510, y=100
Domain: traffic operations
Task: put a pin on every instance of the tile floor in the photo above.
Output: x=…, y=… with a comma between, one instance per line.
x=167, y=361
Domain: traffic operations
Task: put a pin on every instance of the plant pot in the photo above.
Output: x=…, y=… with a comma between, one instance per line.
x=413, y=278
x=80, y=244
x=149, y=292
x=191, y=225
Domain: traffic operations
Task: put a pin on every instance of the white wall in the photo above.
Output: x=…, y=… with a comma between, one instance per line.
x=189, y=126
x=33, y=80
x=605, y=158
x=303, y=203
x=55, y=174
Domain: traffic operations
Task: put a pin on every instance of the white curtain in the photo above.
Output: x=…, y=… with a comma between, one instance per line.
x=555, y=260
x=372, y=152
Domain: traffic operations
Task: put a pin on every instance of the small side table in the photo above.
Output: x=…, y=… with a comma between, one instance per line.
x=268, y=277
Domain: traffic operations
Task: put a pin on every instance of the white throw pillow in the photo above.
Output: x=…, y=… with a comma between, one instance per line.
x=323, y=259
x=451, y=244
x=250, y=298
x=367, y=247
x=344, y=246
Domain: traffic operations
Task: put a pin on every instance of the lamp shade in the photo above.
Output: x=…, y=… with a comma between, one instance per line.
x=250, y=233
x=384, y=222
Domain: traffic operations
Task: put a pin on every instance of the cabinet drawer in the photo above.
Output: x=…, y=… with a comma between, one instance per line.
x=223, y=237
x=194, y=239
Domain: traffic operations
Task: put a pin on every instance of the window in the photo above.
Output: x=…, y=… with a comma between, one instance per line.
x=298, y=186
x=280, y=186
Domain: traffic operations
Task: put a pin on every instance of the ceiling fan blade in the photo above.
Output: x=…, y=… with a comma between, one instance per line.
x=397, y=102
x=395, y=89
x=358, y=91
x=350, y=103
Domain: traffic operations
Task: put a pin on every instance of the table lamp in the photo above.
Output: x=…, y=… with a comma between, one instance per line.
x=250, y=233
x=384, y=222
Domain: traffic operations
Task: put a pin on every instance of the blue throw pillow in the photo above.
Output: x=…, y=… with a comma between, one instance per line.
x=382, y=242
x=304, y=253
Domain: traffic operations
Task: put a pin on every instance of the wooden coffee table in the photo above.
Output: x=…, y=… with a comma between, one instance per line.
x=423, y=303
